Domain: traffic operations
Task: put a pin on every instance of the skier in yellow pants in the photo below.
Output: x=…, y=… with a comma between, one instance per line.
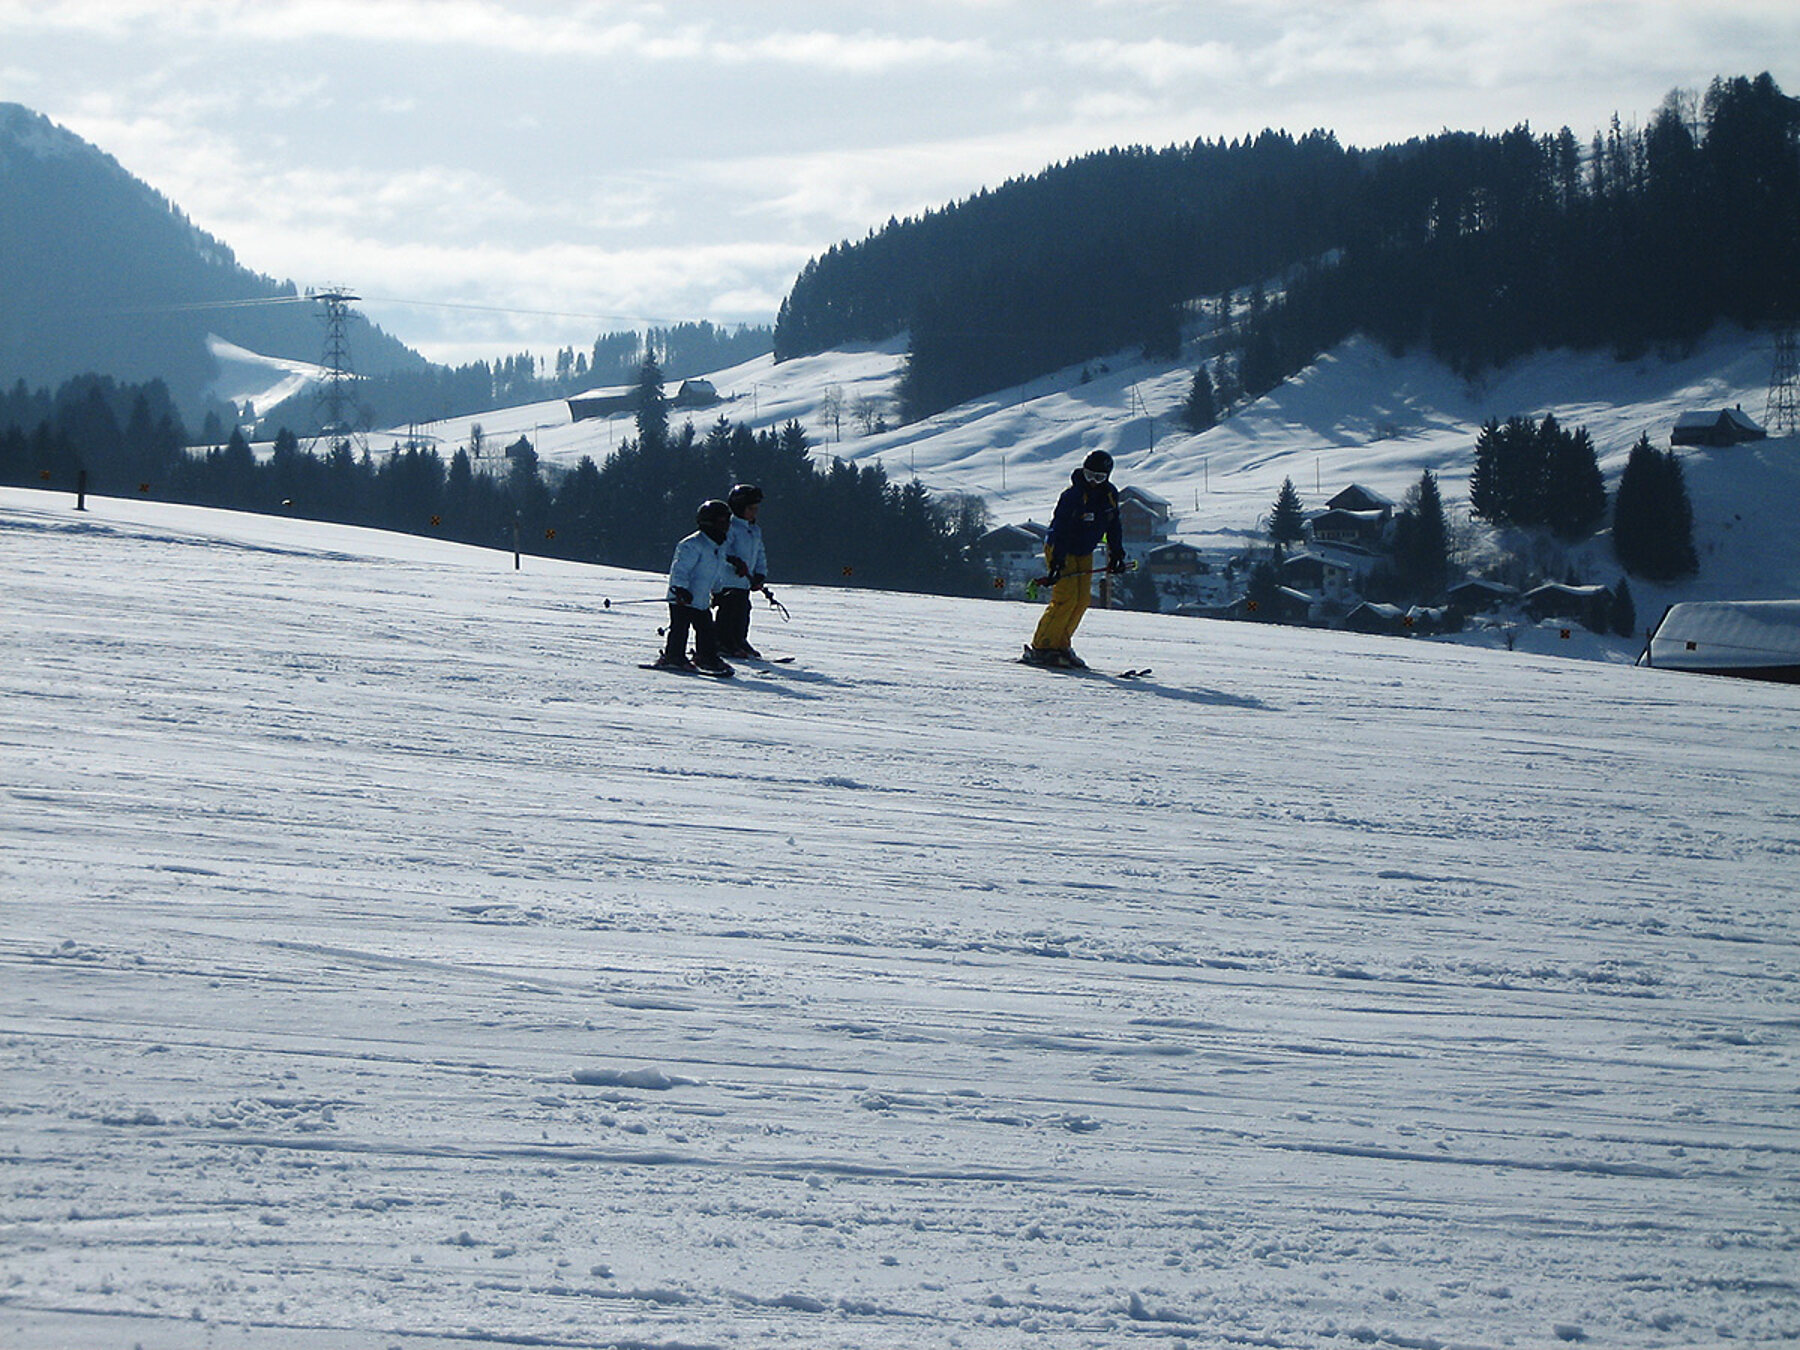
x=1086, y=513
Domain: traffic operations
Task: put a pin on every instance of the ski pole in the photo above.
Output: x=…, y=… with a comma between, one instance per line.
x=1048, y=580
x=777, y=605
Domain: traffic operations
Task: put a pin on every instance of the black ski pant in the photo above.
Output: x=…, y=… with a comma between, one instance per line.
x=681, y=619
x=733, y=618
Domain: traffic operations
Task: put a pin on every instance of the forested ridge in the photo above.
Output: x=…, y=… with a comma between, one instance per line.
x=1475, y=246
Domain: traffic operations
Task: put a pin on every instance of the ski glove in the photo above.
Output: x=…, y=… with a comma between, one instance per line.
x=1116, y=563
x=683, y=595
x=1055, y=572
x=756, y=581
x=738, y=565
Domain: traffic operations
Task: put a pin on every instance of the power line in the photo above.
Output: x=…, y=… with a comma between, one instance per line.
x=183, y=307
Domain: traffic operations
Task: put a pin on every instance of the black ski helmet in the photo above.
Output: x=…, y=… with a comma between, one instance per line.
x=744, y=494
x=714, y=513
x=1099, y=462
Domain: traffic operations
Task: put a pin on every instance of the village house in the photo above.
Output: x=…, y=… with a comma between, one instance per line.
x=1481, y=597
x=1014, y=555
x=1175, y=562
x=1358, y=516
x=1722, y=426
x=1325, y=572
x=624, y=399
x=1589, y=606
x=1752, y=639
x=1144, y=517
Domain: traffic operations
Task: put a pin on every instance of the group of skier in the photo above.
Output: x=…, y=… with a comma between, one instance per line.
x=715, y=569
x=718, y=567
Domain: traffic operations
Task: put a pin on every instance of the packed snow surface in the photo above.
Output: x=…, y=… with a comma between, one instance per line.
x=389, y=961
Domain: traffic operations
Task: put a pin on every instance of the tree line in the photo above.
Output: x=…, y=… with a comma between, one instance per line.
x=1474, y=246
x=828, y=524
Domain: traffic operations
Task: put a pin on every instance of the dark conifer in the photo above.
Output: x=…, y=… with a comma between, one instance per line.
x=1287, y=520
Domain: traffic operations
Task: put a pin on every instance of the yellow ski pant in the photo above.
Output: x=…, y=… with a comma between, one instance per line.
x=1069, y=600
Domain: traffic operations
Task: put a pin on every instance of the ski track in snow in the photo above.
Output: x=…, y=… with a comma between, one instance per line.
x=387, y=960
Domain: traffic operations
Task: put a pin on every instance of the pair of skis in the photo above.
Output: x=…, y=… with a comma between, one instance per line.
x=725, y=674
x=1135, y=673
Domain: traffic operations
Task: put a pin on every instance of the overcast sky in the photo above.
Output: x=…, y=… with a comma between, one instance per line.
x=509, y=175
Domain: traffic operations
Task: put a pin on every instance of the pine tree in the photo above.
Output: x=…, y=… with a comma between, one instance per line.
x=1422, y=540
x=1574, y=496
x=1653, y=519
x=1624, y=609
x=652, y=407
x=1484, y=486
x=1201, y=411
x=1287, y=522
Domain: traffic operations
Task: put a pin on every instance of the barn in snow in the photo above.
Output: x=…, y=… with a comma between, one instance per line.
x=1754, y=639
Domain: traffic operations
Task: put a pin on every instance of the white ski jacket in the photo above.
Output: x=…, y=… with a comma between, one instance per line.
x=744, y=541
x=699, y=569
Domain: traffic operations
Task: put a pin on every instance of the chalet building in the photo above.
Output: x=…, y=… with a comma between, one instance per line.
x=1356, y=497
x=1286, y=605
x=1144, y=517
x=1723, y=426
x=1374, y=616
x=1323, y=572
x=1175, y=561
x=1014, y=555
x=1589, y=606
x=1013, y=542
x=1481, y=597
x=1358, y=517
x=1752, y=639
x=624, y=399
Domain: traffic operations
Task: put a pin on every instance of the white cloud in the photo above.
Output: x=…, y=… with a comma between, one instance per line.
x=684, y=160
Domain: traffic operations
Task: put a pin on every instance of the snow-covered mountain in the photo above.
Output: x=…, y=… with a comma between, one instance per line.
x=388, y=960
x=100, y=273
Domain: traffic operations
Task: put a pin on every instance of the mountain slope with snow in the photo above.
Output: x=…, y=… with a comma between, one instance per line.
x=1357, y=415
x=388, y=959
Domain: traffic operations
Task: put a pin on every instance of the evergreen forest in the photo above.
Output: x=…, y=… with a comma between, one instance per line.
x=1477, y=247
x=828, y=524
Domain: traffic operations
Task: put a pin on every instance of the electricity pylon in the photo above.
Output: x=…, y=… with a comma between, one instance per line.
x=1781, y=416
x=334, y=399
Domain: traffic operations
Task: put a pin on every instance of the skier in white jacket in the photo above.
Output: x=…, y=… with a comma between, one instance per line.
x=698, y=570
x=749, y=570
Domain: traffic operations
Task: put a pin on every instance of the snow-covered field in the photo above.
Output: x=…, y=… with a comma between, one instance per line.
x=388, y=961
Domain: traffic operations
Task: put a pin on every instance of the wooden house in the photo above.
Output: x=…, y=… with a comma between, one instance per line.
x=1721, y=426
x=1481, y=597
x=1175, y=560
x=1589, y=606
x=1752, y=639
x=1144, y=517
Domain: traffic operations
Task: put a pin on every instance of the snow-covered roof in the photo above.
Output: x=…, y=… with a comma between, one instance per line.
x=1736, y=416
x=1497, y=588
x=1563, y=588
x=1356, y=497
x=1745, y=636
x=1144, y=495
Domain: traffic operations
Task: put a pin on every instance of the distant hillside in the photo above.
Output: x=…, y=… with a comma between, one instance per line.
x=1478, y=248
x=100, y=273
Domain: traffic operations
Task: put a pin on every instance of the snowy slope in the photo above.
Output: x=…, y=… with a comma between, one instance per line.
x=389, y=961
x=263, y=382
x=1358, y=415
